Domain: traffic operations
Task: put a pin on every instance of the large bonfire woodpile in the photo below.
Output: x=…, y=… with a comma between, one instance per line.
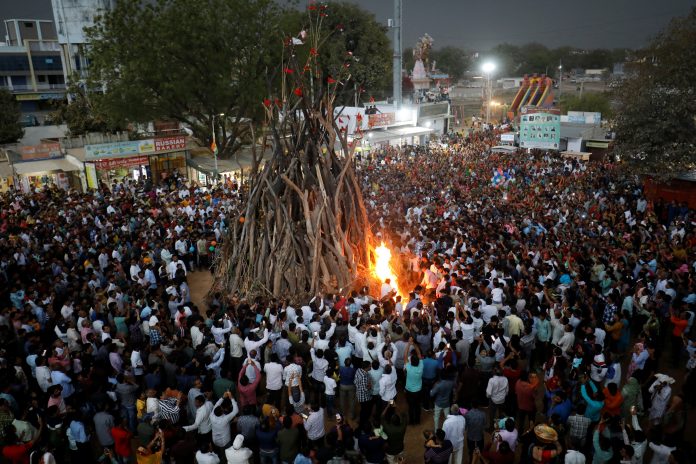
x=305, y=228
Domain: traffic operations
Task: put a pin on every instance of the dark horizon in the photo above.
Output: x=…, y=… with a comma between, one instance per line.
x=587, y=25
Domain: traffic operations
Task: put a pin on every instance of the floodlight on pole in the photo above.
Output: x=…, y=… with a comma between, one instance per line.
x=488, y=67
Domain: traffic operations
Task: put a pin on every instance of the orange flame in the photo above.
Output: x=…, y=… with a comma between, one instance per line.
x=383, y=269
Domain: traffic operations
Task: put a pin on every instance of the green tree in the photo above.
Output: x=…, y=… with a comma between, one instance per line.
x=451, y=60
x=590, y=101
x=655, y=124
x=84, y=114
x=10, y=128
x=351, y=32
x=189, y=61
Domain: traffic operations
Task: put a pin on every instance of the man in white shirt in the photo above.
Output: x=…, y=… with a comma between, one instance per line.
x=453, y=426
x=488, y=310
x=197, y=334
x=238, y=453
x=205, y=455
x=496, y=391
x=220, y=422
x=253, y=343
x=274, y=380
x=314, y=423
x=387, y=289
x=174, y=266
x=202, y=424
x=387, y=385
x=567, y=340
x=220, y=328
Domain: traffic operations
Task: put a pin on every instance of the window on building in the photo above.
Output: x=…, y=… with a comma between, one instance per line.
x=29, y=25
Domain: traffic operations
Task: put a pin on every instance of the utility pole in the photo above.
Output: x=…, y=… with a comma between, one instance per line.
x=396, y=71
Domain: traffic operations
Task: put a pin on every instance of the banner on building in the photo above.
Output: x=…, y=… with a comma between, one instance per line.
x=170, y=143
x=116, y=163
x=42, y=151
x=134, y=147
x=380, y=120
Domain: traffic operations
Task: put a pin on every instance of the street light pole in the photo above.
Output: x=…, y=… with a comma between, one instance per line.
x=488, y=69
x=560, y=80
x=490, y=98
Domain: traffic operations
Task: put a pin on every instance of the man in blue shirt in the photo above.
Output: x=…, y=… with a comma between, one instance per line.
x=346, y=388
x=430, y=369
x=441, y=393
x=561, y=405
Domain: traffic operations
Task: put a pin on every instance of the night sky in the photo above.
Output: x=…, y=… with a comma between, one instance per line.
x=480, y=25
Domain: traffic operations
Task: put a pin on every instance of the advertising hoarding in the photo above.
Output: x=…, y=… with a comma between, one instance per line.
x=540, y=128
x=134, y=147
x=42, y=151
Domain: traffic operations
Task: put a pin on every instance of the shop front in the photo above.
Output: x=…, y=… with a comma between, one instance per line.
x=34, y=175
x=43, y=165
x=157, y=160
x=6, y=177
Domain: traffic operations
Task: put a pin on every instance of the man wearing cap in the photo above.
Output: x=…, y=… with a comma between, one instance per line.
x=237, y=453
x=155, y=334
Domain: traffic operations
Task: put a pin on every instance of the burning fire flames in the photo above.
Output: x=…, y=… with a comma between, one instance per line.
x=383, y=269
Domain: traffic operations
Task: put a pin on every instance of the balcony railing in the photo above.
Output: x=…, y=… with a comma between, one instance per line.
x=44, y=45
x=30, y=88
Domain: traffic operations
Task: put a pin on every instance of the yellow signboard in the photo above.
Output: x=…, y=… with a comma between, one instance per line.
x=28, y=97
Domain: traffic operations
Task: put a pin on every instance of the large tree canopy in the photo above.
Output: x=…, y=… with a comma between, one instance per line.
x=589, y=101
x=655, y=124
x=451, y=60
x=84, y=114
x=516, y=60
x=349, y=31
x=10, y=128
x=187, y=60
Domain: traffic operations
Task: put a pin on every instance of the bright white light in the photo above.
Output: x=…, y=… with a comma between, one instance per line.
x=488, y=67
x=369, y=135
x=428, y=124
x=404, y=114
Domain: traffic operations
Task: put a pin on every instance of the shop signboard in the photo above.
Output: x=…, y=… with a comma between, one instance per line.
x=170, y=143
x=597, y=144
x=40, y=96
x=115, y=163
x=380, y=120
x=42, y=151
x=508, y=137
x=540, y=128
x=119, y=149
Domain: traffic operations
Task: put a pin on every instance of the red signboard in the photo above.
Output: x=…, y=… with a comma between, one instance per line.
x=170, y=143
x=42, y=151
x=115, y=163
x=380, y=120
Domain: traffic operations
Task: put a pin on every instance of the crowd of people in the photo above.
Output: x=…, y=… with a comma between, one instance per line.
x=543, y=313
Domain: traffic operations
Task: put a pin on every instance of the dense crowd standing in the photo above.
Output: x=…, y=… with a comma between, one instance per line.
x=543, y=312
